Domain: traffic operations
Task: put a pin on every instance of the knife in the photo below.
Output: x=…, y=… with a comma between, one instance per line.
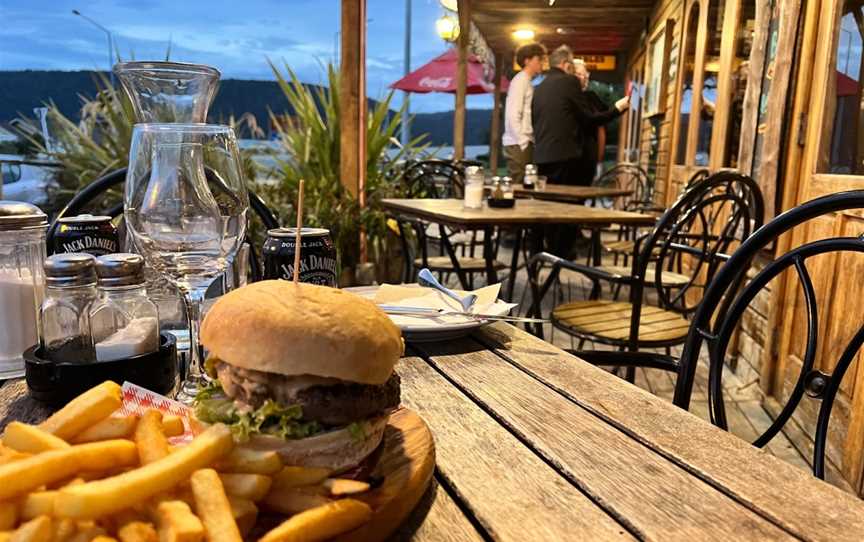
x=426, y=311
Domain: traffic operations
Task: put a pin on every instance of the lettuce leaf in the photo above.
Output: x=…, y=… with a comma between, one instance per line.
x=271, y=418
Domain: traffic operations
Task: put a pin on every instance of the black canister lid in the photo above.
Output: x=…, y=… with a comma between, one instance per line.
x=17, y=215
x=292, y=232
x=72, y=269
x=120, y=269
x=85, y=218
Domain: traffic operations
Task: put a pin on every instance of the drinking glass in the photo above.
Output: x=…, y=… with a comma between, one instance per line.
x=185, y=207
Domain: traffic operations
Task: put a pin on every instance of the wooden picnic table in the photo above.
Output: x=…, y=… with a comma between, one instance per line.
x=527, y=213
x=533, y=444
x=572, y=194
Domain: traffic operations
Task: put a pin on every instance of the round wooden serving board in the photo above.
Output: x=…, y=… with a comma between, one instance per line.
x=405, y=461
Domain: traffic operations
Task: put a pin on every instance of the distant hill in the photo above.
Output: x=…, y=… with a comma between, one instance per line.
x=21, y=91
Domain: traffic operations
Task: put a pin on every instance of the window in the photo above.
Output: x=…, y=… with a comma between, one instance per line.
x=634, y=115
x=845, y=155
x=688, y=66
x=740, y=68
x=716, y=11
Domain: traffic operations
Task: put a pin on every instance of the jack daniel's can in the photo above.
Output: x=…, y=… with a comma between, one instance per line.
x=90, y=234
x=317, y=256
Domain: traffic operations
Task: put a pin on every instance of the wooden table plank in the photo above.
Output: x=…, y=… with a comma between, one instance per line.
x=437, y=518
x=511, y=491
x=525, y=212
x=804, y=505
x=660, y=500
x=16, y=404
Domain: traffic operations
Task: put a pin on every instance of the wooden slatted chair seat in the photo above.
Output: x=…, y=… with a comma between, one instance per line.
x=470, y=265
x=610, y=320
x=670, y=279
x=624, y=247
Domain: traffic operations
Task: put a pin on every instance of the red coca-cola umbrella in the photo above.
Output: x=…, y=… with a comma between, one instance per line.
x=846, y=86
x=439, y=75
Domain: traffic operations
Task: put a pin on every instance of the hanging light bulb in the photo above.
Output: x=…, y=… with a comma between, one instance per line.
x=523, y=34
x=447, y=27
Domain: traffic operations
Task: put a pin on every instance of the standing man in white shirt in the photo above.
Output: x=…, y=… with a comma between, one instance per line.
x=518, y=137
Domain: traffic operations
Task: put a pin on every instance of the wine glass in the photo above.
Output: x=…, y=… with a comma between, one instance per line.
x=185, y=207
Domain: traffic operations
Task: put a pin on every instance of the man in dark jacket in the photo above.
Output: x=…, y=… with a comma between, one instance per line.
x=564, y=122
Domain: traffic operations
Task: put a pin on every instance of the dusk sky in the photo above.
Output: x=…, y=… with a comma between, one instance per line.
x=235, y=36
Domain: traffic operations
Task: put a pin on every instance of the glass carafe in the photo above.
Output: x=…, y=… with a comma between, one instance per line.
x=168, y=91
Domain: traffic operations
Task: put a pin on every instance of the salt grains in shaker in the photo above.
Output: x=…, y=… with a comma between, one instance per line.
x=22, y=249
x=124, y=321
x=70, y=288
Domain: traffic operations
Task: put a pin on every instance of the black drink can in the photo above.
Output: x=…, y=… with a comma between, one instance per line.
x=90, y=234
x=317, y=256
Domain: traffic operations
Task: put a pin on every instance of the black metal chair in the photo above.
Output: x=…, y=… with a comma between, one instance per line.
x=631, y=177
x=101, y=186
x=693, y=237
x=440, y=179
x=725, y=302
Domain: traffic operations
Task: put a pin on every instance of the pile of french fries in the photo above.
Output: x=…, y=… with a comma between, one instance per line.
x=84, y=475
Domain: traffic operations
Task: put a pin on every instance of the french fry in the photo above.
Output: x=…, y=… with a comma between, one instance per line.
x=86, y=531
x=64, y=530
x=151, y=442
x=47, y=467
x=300, y=476
x=245, y=514
x=343, y=486
x=5, y=536
x=292, y=500
x=35, y=530
x=137, y=531
x=38, y=503
x=175, y=522
x=321, y=523
x=10, y=456
x=103, y=497
x=104, y=538
x=8, y=515
x=85, y=410
x=249, y=461
x=23, y=437
x=246, y=486
x=110, y=428
x=212, y=506
x=172, y=425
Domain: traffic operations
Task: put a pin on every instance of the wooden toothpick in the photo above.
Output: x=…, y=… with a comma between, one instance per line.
x=298, y=238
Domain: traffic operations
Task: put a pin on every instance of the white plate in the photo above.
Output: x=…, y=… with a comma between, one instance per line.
x=423, y=329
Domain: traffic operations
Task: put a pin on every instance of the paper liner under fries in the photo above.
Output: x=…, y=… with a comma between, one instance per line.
x=138, y=400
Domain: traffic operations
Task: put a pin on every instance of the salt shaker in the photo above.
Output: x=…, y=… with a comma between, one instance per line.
x=70, y=289
x=530, y=178
x=474, y=187
x=124, y=321
x=507, y=187
x=22, y=250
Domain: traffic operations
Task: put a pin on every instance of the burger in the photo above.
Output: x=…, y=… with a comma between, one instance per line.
x=302, y=369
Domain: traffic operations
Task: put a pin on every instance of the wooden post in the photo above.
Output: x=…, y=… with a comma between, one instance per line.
x=495, y=129
x=352, y=97
x=464, y=7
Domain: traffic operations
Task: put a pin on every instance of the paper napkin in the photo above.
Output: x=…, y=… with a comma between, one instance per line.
x=416, y=296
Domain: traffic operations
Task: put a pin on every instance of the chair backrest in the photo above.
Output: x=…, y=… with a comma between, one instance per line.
x=630, y=177
x=724, y=304
x=434, y=179
x=694, y=237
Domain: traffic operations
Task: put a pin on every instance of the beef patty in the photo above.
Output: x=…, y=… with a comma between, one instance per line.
x=328, y=401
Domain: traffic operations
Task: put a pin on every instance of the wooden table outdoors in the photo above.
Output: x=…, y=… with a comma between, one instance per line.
x=572, y=194
x=527, y=213
x=533, y=444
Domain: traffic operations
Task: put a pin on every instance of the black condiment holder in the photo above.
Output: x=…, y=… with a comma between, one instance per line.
x=501, y=203
x=57, y=383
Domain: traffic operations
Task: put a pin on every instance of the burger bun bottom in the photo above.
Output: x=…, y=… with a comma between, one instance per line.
x=337, y=450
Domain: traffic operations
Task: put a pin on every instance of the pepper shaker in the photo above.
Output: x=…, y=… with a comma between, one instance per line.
x=70, y=289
